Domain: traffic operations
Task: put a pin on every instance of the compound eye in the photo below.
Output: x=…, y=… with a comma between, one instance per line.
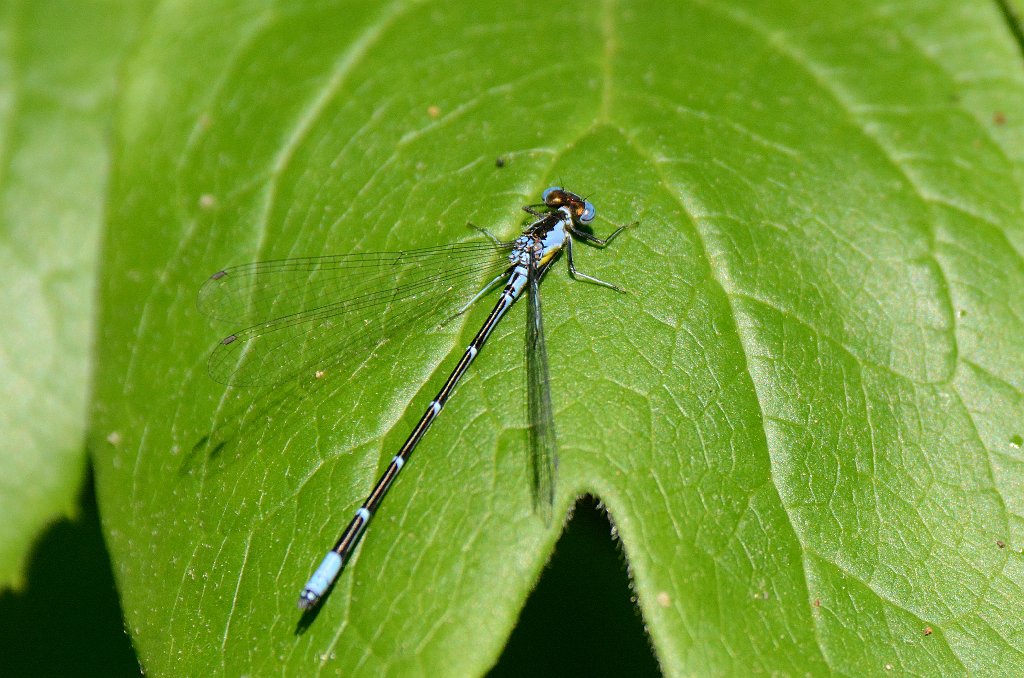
x=588, y=213
x=547, y=193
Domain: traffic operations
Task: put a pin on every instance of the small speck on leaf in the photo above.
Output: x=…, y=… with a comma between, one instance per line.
x=1000, y=543
x=927, y=630
x=207, y=201
x=114, y=438
x=664, y=599
x=999, y=118
x=433, y=111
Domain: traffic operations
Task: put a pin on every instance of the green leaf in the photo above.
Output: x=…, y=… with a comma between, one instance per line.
x=56, y=96
x=805, y=419
x=1014, y=10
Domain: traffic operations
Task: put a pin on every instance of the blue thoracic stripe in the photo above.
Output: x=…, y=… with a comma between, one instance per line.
x=536, y=247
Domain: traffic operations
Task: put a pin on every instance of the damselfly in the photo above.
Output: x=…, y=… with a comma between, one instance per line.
x=311, y=315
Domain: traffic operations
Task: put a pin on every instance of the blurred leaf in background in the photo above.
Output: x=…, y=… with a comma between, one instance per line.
x=58, y=64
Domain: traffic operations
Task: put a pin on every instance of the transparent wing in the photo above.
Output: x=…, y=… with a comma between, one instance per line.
x=543, y=447
x=318, y=313
x=257, y=292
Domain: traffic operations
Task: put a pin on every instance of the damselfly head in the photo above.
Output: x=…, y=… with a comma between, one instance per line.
x=582, y=210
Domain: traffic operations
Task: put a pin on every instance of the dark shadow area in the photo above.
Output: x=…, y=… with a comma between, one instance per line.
x=67, y=620
x=580, y=620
